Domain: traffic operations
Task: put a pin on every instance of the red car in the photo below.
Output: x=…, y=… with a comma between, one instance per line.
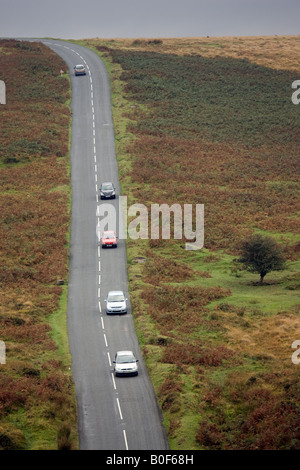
x=109, y=238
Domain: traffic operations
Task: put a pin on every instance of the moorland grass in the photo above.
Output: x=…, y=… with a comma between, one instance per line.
x=37, y=397
x=212, y=122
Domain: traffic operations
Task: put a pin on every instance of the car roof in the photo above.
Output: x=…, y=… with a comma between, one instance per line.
x=116, y=292
x=124, y=353
x=109, y=231
x=79, y=65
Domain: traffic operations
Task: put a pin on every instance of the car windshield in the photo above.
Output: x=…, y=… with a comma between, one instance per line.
x=115, y=298
x=80, y=67
x=109, y=235
x=125, y=359
x=107, y=186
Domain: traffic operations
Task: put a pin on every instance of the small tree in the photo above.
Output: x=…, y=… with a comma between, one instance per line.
x=261, y=255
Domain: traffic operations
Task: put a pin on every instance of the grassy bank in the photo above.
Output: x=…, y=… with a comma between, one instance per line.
x=210, y=121
x=37, y=399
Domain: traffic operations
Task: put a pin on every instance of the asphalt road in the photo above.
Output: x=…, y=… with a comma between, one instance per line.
x=113, y=413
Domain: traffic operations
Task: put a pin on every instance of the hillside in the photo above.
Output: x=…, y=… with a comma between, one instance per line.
x=210, y=121
x=197, y=121
x=37, y=402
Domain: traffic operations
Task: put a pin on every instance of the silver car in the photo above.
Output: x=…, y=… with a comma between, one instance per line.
x=125, y=363
x=116, y=302
x=80, y=69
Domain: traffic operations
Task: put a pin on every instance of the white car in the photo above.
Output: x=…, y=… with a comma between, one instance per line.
x=116, y=302
x=125, y=363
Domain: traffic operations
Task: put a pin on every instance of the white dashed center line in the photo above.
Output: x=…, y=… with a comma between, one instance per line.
x=99, y=249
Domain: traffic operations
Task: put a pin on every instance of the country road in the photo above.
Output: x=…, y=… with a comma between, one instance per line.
x=113, y=413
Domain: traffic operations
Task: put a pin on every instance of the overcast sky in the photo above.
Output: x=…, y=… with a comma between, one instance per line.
x=75, y=19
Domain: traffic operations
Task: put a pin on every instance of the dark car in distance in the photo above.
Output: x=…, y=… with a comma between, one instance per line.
x=107, y=191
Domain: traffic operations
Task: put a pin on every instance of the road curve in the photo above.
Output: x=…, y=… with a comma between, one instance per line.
x=113, y=413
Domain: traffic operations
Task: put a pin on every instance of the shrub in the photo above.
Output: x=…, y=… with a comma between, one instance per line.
x=11, y=438
x=63, y=438
x=261, y=254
